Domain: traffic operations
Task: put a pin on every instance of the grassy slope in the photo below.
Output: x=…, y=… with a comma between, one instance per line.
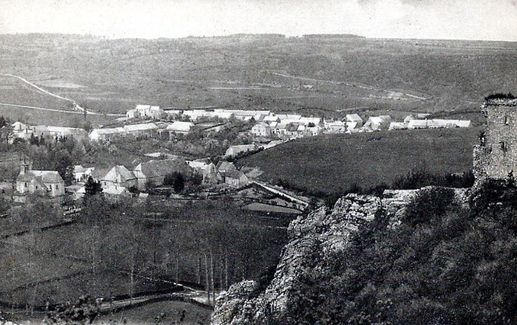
x=332, y=163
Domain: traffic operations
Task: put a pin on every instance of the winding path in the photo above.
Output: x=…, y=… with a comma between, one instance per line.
x=77, y=108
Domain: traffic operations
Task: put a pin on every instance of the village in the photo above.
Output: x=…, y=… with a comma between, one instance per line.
x=163, y=173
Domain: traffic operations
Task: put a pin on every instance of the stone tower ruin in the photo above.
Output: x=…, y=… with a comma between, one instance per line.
x=496, y=155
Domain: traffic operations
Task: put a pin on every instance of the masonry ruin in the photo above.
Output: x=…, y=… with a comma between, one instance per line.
x=496, y=155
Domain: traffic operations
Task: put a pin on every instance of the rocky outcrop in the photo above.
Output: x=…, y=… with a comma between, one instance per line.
x=313, y=240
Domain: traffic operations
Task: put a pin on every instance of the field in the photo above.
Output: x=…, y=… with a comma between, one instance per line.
x=172, y=311
x=332, y=163
x=321, y=76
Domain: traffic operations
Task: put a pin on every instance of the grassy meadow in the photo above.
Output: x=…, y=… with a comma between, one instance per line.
x=333, y=163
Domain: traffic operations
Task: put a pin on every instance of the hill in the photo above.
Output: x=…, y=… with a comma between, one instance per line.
x=333, y=163
x=346, y=73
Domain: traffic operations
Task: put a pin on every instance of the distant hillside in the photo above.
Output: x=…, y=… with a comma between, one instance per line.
x=327, y=36
x=333, y=163
x=347, y=73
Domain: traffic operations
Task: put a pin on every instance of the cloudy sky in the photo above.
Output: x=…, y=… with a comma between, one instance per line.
x=444, y=19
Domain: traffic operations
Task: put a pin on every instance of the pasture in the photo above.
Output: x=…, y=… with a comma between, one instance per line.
x=333, y=163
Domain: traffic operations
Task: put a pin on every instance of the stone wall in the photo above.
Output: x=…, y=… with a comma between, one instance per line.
x=496, y=156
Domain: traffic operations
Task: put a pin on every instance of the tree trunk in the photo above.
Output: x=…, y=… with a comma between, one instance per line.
x=212, y=275
x=198, y=270
x=177, y=273
x=207, y=278
x=226, y=270
x=131, y=281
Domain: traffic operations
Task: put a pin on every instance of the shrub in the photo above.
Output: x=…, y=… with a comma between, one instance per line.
x=429, y=203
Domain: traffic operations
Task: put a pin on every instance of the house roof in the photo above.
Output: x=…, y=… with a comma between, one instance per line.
x=160, y=168
x=180, y=126
x=119, y=174
x=236, y=174
x=140, y=127
x=115, y=190
x=225, y=165
x=307, y=120
x=353, y=118
x=44, y=176
x=108, y=131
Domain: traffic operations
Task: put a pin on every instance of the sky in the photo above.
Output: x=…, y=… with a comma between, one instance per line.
x=433, y=19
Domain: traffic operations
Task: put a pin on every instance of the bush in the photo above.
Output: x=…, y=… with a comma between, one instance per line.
x=429, y=203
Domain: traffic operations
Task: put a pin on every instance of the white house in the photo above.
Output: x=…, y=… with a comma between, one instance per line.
x=261, y=130
x=61, y=132
x=119, y=176
x=353, y=122
x=145, y=111
x=398, y=126
x=22, y=130
x=409, y=118
x=334, y=126
x=156, y=170
x=417, y=124
x=106, y=134
x=376, y=123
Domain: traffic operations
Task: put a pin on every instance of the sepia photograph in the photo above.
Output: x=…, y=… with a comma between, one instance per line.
x=258, y=162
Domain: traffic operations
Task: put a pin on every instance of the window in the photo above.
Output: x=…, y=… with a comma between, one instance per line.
x=57, y=187
x=506, y=120
x=504, y=146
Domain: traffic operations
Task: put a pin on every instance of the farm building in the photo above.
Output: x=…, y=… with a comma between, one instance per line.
x=62, y=132
x=145, y=129
x=224, y=166
x=81, y=173
x=417, y=124
x=22, y=130
x=335, y=126
x=234, y=178
x=271, y=118
x=353, y=120
x=107, y=134
x=409, y=118
x=119, y=176
x=310, y=121
x=376, y=123
x=397, y=126
x=146, y=111
x=239, y=149
x=180, y=127
x=155, y=170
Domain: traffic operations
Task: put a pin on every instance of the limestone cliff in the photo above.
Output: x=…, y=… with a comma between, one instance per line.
x=312, y=240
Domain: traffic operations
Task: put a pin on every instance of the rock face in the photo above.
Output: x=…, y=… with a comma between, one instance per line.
x=313, y=240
